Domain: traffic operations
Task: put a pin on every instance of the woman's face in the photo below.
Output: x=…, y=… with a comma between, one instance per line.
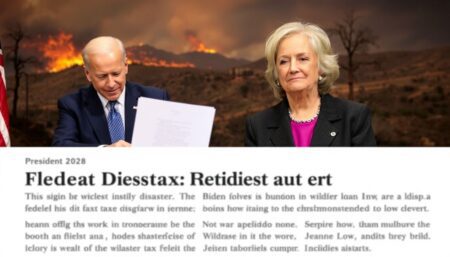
x=297, y=65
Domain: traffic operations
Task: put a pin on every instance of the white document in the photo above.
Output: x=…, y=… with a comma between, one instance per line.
x=165, y=123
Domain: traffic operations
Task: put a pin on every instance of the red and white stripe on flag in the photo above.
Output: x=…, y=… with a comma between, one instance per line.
x=4, y=113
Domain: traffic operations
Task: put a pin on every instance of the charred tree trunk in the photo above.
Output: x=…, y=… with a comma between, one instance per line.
x=350, y=79
x=355, y=40
x=16, y=35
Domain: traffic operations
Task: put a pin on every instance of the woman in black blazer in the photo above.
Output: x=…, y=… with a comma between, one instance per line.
x=301, y=67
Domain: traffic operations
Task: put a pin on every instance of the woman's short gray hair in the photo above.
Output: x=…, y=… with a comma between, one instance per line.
x=328, y=64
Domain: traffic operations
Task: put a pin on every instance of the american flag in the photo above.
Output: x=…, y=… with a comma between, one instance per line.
x=4, y=113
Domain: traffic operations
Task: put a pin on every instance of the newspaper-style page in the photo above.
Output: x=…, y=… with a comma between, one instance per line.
x=224, y=202
x=89, y=166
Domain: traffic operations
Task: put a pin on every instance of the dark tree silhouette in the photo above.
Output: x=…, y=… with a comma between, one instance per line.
x=16, y=35
x=355, y=40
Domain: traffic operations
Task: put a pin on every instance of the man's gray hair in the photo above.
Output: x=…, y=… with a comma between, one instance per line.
x=90, y=49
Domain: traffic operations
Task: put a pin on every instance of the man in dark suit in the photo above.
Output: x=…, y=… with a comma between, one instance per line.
x=103, y=113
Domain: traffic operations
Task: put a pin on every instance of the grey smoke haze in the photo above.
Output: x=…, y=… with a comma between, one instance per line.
x=234, y=28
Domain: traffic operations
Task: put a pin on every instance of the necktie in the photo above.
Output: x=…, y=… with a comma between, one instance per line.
x=115, y=124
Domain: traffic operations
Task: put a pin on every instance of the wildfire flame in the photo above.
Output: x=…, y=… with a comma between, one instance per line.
x=141, y=57
x=154, y=62
x=197, y=45
x=60, y=52
x=136, y=55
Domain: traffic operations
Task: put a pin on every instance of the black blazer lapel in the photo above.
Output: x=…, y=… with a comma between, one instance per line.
x=96, y=116
x=131, y=98
x=325, y=132
x=282, y=135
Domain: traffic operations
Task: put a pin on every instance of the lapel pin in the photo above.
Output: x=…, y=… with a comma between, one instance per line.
x=333, y=134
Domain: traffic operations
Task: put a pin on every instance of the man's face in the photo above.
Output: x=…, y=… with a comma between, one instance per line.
x=107, y=73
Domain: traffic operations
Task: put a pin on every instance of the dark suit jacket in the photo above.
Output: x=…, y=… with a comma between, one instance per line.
x=82, y=120
x=340, y=123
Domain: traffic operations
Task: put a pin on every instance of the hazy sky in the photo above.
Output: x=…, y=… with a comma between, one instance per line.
x=235, y=28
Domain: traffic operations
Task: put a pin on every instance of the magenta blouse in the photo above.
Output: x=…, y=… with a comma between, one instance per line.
x=302, y=132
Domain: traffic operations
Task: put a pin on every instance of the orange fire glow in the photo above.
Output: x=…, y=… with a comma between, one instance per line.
x=197, y=45
x=160, y=63
x=135, y=56
x=60, y=52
